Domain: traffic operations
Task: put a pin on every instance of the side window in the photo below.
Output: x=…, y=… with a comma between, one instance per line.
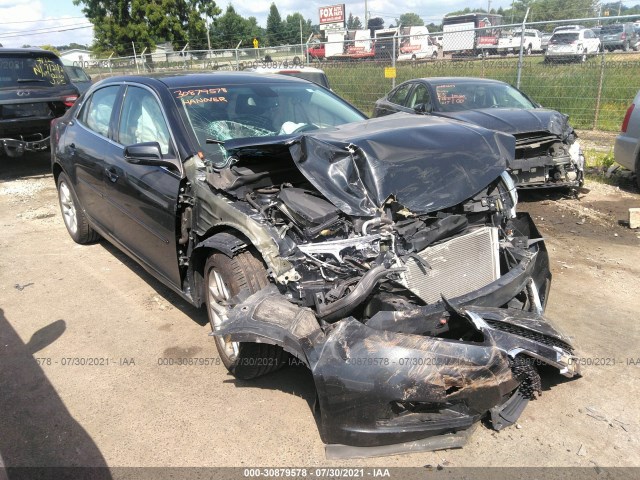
x=142, y=120
x=96, y=112
x=419, y=96
x=399, y=95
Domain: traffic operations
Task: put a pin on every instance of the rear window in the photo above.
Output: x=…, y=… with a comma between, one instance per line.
x=609, y=29
x=315, y=77
x=565, y=37
x=31, y=70
x=76, y=74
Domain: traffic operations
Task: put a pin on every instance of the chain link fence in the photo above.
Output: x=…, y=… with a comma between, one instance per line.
x=590, y=74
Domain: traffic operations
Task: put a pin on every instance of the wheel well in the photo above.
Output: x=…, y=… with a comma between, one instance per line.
x=57, y=170
x=227, y=241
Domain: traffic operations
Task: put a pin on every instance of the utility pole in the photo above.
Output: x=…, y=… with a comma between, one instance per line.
x=135, y=58
x=619, y=7
x=488, y=6
x=366, y=15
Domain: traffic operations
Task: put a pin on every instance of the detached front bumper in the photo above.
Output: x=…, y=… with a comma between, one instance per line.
x=392, y=390
x=379, y=388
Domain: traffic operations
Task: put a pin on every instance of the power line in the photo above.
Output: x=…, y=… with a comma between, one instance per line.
x=43, y=20
x=42, y=32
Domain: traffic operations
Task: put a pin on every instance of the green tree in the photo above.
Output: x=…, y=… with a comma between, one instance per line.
x=410, y=20
x=551, y=10
x=291, y=29
x=231, y=28
x=354, y=23
x=465, y=11
x=51, y=48
x=117, y=23
x=275, y=26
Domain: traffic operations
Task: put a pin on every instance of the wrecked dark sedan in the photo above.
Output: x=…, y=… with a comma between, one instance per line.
x=385, y=254
x=547, y=153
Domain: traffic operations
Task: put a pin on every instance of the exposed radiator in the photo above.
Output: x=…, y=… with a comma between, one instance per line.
x=458, y=266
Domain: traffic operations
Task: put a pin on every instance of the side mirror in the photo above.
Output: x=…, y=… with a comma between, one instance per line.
x=147, y=153
x=423, y=108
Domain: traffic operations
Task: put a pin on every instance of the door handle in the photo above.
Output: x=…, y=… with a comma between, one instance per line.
x=111, y=174
x=72, y=149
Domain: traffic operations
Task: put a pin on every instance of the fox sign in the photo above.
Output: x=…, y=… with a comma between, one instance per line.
x=331, y=14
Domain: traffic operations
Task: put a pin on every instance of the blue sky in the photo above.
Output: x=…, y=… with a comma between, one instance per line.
x=39, y=22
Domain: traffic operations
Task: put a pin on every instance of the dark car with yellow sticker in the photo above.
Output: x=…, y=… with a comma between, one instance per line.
x=384, y=254
x=34, y=89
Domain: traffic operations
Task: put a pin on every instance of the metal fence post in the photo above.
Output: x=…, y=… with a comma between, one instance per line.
x=393, y=63
x=237, y=61
x=599, y=95
x=521, y=47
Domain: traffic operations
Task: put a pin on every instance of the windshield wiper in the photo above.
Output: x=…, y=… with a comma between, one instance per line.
x=25, y=80
x=209, y=141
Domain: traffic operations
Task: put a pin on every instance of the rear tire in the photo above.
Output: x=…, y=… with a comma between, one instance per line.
x=583, y=58
x=72, y=213
x=225, y=277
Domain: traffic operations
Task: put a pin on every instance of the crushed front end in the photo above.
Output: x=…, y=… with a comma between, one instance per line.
x=544, y=159
x=547, y=151
x=402, y=275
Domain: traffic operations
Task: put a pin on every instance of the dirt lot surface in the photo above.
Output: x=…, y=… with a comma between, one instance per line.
x=64, y=303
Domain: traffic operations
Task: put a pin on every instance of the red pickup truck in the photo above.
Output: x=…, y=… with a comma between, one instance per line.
x=316, y=50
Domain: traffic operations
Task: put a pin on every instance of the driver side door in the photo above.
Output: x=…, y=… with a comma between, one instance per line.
x=144, y=198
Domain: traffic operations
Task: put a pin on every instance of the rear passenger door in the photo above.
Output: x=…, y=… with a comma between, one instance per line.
x=144, y=198
x=86, y=141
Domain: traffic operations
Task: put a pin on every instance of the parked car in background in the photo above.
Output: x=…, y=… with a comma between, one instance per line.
x=416, y=44
x=307, y=229
x=510, y=42
x=34, y=89
x=619, y=36
x=547, y=150
x=544, y=41
x=568, y=28
x=572, y=45
x=80, y=79
x=311, y=74
x=627, y=146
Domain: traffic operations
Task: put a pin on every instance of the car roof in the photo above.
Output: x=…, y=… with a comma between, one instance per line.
x=220, y=79
x=39, y=51
x=440, y=80
x=294, y=68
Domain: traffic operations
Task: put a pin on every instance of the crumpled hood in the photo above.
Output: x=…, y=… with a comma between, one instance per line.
x=513, y=120
x=425, y=163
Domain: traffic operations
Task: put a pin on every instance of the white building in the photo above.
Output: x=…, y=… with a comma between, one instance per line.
x=77, y=57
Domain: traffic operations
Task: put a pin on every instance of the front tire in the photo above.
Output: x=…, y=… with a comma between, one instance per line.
x=72, y=213
x=225, y=277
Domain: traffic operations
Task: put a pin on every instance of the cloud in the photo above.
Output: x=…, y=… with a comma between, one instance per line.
x=30, y=24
